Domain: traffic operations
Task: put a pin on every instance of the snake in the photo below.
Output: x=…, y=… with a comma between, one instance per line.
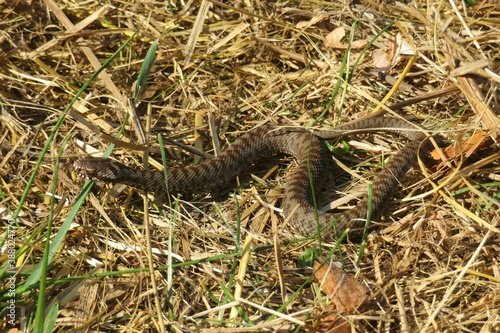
x=312, y=158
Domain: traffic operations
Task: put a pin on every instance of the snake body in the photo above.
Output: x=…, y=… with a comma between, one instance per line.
x=312, y=159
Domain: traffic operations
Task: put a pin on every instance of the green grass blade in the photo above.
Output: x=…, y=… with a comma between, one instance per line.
x=141, y=84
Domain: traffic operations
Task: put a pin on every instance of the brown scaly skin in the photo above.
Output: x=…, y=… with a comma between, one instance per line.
x=306, y=147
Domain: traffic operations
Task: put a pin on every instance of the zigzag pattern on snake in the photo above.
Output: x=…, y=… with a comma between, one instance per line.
x=312, y=158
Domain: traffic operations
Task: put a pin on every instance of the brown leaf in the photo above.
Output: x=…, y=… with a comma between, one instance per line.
x=331, y=323
x=381, y=59
x=397, y=47
x=312, y=21
x=359, y=44
x=466, y=147
x=347, y=294
x=333, y=40
x=334, y=37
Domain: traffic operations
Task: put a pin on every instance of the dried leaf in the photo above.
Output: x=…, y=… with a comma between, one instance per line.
x=333, y=40
x=359, y=44
x=466, y=147
x=332, y=323
x=347, y=294
x=334, y=37
x=312, y=21
x=396, y=47
x=381, y=59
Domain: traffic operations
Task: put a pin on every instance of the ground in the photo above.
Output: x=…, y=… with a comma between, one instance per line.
x=108, y=260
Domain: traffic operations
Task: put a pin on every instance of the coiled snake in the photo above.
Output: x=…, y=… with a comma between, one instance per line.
x=306, y=147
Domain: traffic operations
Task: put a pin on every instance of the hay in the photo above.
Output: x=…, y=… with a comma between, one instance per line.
x=433, y=264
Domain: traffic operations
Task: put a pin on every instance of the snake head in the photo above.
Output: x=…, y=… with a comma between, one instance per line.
x=102, y=169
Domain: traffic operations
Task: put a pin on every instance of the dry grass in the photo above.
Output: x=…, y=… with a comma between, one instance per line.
x=434, y=265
